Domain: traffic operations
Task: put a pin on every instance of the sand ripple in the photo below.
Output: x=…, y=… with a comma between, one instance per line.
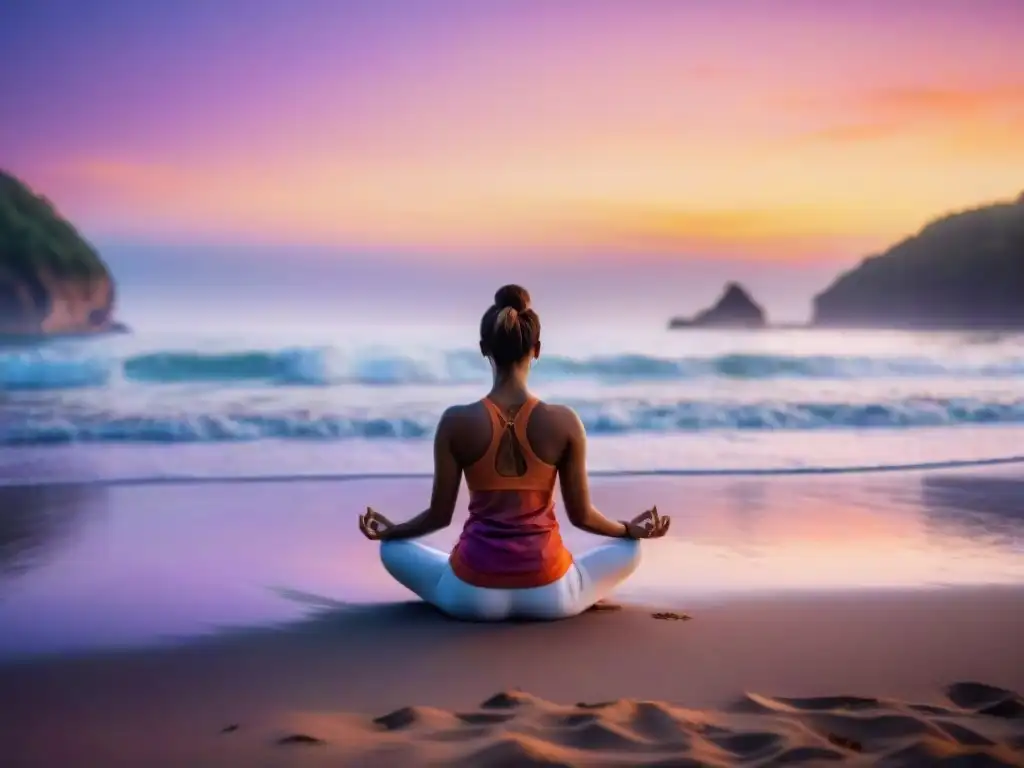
x=976, y=725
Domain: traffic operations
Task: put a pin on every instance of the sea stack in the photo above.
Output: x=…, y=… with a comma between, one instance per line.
x=52, y=282
x=734, y=309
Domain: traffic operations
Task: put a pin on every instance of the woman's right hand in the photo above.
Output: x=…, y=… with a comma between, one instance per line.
x=648, y=525
x=374, y=526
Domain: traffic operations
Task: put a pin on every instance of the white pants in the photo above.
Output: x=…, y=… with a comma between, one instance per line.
x=427, y=572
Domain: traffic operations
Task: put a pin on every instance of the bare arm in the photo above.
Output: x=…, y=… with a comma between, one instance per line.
x=572, y=474
x=447, y=478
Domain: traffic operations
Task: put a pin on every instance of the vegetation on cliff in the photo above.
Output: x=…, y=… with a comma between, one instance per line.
x=51, y=279
x=963, y=271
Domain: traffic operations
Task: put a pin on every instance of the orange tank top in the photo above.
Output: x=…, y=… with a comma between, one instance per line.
x=511, y=539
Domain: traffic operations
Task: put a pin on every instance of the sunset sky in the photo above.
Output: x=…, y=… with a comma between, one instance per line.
x=774, y=131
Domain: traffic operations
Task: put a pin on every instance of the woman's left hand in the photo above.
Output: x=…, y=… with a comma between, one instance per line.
x=648, y=525
x=374, y=525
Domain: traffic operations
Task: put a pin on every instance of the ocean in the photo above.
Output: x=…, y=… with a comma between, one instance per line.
x=344, y=400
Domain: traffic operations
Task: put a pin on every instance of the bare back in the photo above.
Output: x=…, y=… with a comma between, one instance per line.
x=555, y=434
x=509, y=455
x=548, y=432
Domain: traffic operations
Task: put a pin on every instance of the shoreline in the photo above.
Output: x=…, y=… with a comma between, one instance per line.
x=170, y=479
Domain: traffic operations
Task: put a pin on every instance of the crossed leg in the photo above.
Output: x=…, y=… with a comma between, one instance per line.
x=415, y=566
x=426, y=572
x=604, y=567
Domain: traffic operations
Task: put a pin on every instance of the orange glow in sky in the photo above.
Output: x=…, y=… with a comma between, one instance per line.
x=781, y=131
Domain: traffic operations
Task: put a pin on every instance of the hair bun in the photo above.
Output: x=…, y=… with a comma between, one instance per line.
x=512, y=296
x=506, y=319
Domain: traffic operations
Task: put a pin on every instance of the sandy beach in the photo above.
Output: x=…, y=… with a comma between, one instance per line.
x=896, y=678
x=872, y=620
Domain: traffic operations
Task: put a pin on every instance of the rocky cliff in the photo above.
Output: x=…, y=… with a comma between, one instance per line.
x=734, y=309
x=963, y=271
x=51, y=281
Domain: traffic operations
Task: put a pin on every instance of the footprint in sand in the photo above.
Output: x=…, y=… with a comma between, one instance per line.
x=671, y=616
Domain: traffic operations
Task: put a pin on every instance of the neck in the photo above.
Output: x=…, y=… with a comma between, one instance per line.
x=511, y=383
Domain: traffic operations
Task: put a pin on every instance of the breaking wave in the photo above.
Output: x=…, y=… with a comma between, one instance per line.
x=43, y=424
x=53, y=369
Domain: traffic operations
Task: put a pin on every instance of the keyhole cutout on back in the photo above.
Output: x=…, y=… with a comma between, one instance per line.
x=509, y=460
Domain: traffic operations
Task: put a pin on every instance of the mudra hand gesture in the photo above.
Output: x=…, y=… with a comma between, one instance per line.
x=374, y=525
x=648, y=525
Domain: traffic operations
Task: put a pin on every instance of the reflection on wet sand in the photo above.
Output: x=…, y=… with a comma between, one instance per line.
x=989, y=508
x=148, y=564
x=36, y=520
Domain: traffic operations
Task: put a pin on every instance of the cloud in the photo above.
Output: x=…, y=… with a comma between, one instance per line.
x=984, y=118
x=782, y=233
x=930, y=102
x=127, y=176
x=856, y=132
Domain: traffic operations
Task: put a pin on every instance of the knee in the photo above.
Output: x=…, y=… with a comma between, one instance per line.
x=630, y=551
x=391, y=554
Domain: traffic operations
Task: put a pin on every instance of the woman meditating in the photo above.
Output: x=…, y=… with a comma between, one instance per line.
x=510, y=562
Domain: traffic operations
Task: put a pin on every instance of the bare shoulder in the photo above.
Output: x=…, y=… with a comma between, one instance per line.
x=455, y=412
x=462, y=422
x=455, y=416
x=561, y=418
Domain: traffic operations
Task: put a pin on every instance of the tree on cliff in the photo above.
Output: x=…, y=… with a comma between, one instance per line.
x=963, y=271
x=51, y=280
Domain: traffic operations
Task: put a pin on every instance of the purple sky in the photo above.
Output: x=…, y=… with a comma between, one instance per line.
x=661, y=144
